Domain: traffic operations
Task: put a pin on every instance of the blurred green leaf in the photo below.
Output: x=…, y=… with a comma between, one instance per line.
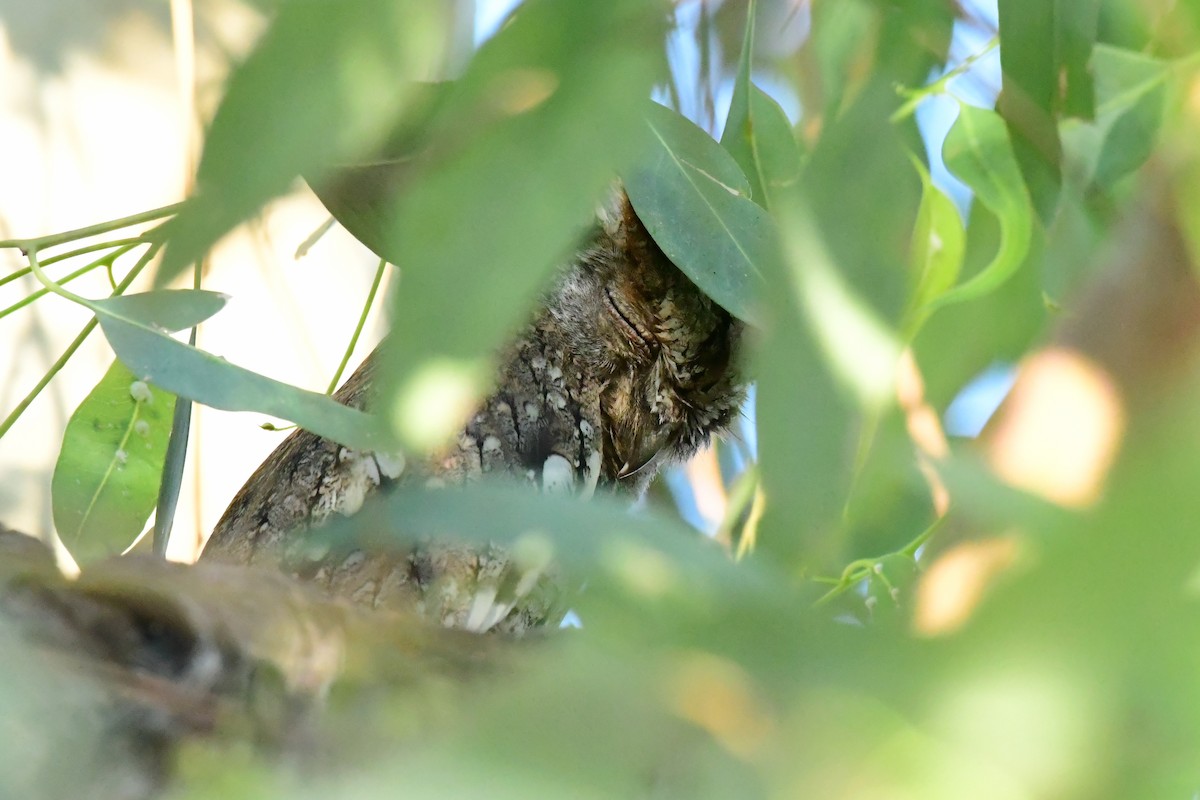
x=977, y=150
x=106, y=480
x=1131, y=90
x=362, y=197
x=841, y=33
x=623, y=554
x=520, y=151
x=962, y=340
x=867, y=232
x=1029, y=98
x=1076, y=22
x=326, y=81
x=938, y=248
x=694, y=200
x=213, y=381
x=804, y=421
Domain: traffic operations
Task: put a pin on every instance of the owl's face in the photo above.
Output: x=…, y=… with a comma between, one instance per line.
x=664, y=350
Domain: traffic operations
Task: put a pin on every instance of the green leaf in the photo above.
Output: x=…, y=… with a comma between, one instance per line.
x=694, y=200
x=106, y=478
x=1076, y=23
x=805, y=415
x=192, y=373
x=738, y=136
x=1131, y=90
x=843, y=35
x=136, y=327
x=1029, y=97
x=363, y=197
x=766, y=149
x=936, y=255
x=867, y=232
x=977, y=150
x=168, y=309
x=519, y=152
x=326, y=80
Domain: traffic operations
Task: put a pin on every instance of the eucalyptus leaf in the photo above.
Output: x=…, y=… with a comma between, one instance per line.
x=778, y=152
x=1131, y=91
x=166, y=309
x=1076, y=24
x=520, y=150
x=938, y=248
x=106, y=479
x=767, y=149
x=738, y=136
x=841, y=32
x=362, y=197
x=1029, y=97
x=804, y=419
x=977, y=150
x=694, y=200
x=326, y=81
x=192, y=373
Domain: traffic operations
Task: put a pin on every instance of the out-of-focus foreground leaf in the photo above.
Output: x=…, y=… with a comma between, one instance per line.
x=519, y=152
x=1029, y=99
x=106, y=479
x=1076, y=25
x=938, y=246
x=326, y=80
x=977, y=150
x=828, y=357
x=1131, y=89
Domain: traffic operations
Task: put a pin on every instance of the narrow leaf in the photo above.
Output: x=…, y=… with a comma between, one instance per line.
x=757, y=132
x=777, y=152
x=213, y=381
x=738, y=136
x=1028, y=99
x=520, y=149
x=977, y=150
x=938, y=246
x=106, y=479
x=167, y=309
x=325, y=81
x=765, y=147
x=1076, y=22
x=1131, y=91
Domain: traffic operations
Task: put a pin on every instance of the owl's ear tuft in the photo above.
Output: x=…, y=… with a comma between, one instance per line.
x=610, y=212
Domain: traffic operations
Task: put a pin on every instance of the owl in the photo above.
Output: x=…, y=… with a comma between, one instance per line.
x=625, y=366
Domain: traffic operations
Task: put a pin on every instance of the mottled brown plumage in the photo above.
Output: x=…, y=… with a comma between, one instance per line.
x=625, y=367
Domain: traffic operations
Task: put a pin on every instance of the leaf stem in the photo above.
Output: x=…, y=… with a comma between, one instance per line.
x=54, y=239
x=40, y=293
x=362, y=320
x=48, y=282
x=125, y=245
x=915, y=96
x=176, y=455
x=864, y=568
x=57, y=366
